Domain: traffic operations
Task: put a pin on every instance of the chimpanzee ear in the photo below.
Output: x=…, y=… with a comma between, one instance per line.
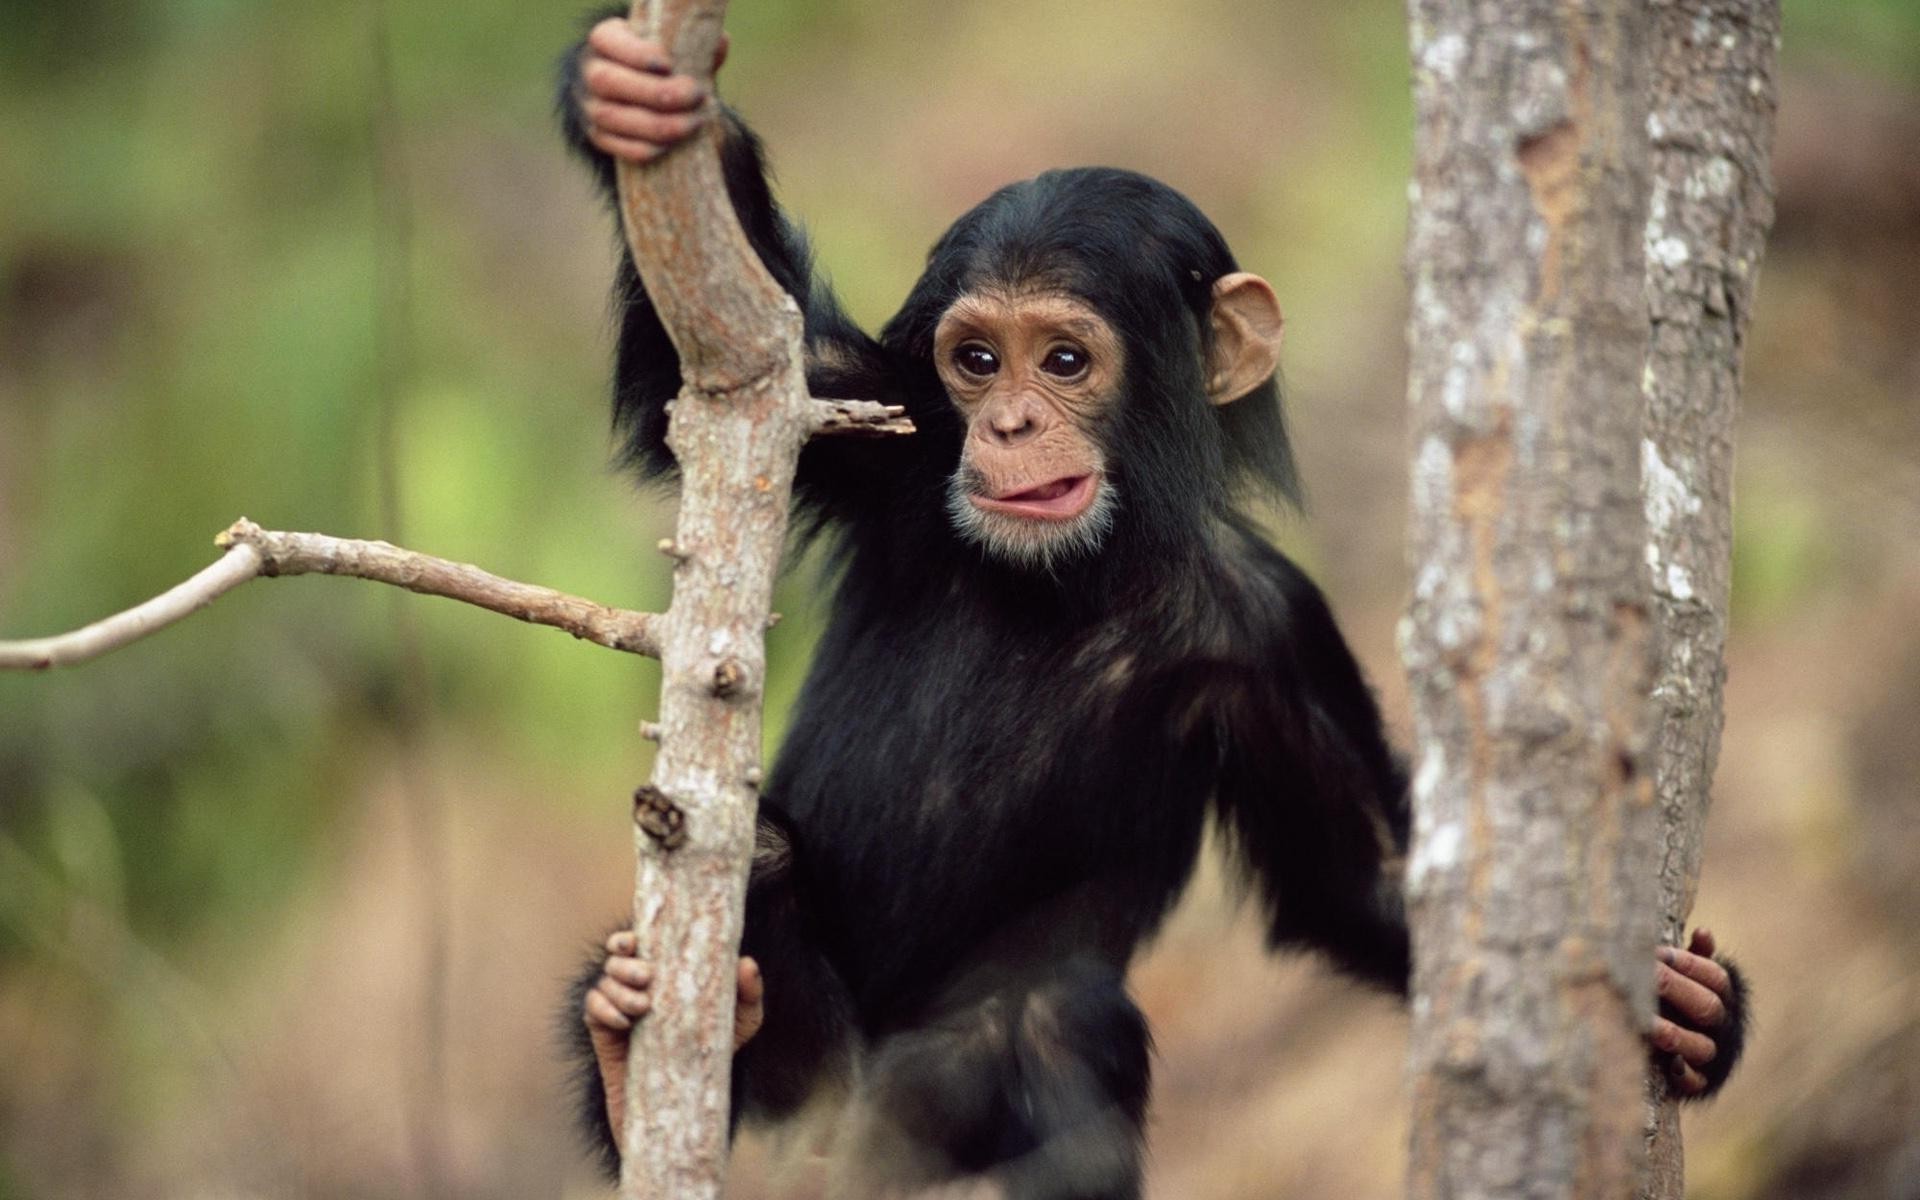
x=1246, y=336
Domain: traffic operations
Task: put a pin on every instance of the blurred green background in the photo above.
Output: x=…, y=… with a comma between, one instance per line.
x=287, y=892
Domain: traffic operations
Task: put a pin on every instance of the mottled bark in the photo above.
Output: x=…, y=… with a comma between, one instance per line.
x=736, y=430
x=1711, y=125
x=1532, y=883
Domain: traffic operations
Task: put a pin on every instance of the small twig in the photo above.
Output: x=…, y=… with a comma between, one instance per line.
x=859, y=418
x=252, y=552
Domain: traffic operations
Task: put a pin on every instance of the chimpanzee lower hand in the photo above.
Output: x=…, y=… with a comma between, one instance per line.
x=1701, y=1026
x=632, y=105
x=623, y=995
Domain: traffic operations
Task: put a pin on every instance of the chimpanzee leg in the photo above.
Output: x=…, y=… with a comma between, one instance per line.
x=1035, y=1092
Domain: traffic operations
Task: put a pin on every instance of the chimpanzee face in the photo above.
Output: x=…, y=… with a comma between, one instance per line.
x=1033, y=372
x=1037, y=373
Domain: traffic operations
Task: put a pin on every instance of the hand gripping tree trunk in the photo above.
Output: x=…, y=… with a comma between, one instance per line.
x=1532, y=881
x=1711, y=124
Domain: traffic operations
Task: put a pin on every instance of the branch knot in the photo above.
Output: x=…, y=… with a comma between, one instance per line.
x=729, y=678
x=659, y=818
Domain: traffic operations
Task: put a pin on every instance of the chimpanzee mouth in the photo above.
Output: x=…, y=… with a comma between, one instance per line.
x=1063, y=499
x=1042, y=528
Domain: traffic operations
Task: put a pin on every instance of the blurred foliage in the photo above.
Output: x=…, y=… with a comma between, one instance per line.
x=1880, y=35
x=190, y=255
x=188, y=265
x=1780, y=550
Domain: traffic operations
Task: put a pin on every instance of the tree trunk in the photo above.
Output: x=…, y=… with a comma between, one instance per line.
x=736, y=430
x=1532, y=883
x=1711, y=124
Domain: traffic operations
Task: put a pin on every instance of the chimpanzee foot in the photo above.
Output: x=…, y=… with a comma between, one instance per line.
x=623, y=994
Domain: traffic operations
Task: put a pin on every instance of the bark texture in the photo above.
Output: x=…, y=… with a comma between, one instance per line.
x=1711, y=127
x=1532, y=884
x=736, y=429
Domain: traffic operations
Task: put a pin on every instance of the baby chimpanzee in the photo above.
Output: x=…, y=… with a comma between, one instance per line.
x=1057, y=644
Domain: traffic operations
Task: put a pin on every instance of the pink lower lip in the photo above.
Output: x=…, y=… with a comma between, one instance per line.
x=1049, y=502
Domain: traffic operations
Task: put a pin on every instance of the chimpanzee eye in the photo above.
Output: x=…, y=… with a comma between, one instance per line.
x=1065, y=362
x=976, y=360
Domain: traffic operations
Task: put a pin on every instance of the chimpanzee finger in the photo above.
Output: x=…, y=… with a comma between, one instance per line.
x=1696, y=1048
x=747, y=1011
x=625, y=149
x=1701, y=970
x=1705, y=970
x=640, y=124
x=616, y=38
x=1691, y=1000
x=631, y=1001
x=1701, y=942
x=600, y=1013
x=623, y=942
x=1683, y=1080
x=605, y=79
x=630, y=971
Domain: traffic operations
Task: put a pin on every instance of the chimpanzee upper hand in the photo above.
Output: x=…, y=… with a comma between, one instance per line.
x=623, y=994
x=632, y=105
x=1701, y=1026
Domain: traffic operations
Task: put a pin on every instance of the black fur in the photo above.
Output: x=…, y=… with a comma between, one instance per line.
x=997, y=779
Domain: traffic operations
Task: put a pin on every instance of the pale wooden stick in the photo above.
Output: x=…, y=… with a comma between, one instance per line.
x=175, y=604
x=253, y=552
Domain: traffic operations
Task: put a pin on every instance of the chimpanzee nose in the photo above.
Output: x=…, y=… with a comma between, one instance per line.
x=1012, y=425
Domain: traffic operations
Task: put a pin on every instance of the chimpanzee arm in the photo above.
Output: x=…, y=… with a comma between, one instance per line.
x=842, y=361
x=1312, y=799
x=1316, y=805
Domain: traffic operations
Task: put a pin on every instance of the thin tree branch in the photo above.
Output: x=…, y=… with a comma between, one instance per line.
x=253, y=552
x=174, y=604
